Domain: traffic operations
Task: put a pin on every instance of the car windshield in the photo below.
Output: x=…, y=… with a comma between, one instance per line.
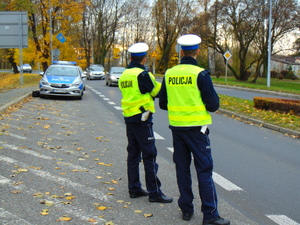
x=62, y=71
x=117, y=70
x=96, y=68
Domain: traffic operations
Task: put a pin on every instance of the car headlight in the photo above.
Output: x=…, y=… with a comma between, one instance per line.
x=75, y=84
x=44, y=82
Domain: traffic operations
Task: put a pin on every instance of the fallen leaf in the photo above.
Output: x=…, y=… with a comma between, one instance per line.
x=138, y=211
x=148, y=215
x=44, y=212
x=109, y=223
x=92, y=220
x=65, y=218
x=16, y=192
x=101, y=208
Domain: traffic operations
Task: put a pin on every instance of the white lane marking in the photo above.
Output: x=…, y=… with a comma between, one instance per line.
x=118, y=107
x=73, y=211
x=226, y=184
x=103, y=96
x=16, y=136
x=223, y=182
x=158, y=137
x=13, y=219
x=106, y=99
x=41, y=156
x=4, y=180
x=57, y=179
x=111, y=103
x=282, y=220
x=171, y=149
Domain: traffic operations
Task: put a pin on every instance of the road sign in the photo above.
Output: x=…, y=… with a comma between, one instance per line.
x=227, y=55
x=61, y=38
x=13, y=29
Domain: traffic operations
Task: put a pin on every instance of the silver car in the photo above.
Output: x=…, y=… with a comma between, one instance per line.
x=95, y=72
x=113, y=76
x=62, y=80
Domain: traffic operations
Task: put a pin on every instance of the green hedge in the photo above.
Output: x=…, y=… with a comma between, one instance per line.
x=277, y=104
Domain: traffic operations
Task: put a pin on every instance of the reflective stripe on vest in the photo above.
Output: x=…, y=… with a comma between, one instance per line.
x=133, y=99
x=185, y=106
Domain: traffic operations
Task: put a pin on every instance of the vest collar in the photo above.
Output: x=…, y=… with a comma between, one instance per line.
x=188, y=60
x=134, y=64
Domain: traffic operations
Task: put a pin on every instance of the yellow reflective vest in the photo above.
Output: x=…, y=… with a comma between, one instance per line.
x=185, y=106
x=133, y=99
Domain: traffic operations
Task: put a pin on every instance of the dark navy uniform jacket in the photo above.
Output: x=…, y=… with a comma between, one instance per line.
x=207, y=91
x=145, y=85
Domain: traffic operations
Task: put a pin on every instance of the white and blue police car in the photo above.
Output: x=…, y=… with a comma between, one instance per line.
x=62, y=78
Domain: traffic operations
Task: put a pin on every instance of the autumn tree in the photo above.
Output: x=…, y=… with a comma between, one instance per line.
x=55, y=16
x=136, y=26
x=171, y=19
x=106, y=17
x=240, y=27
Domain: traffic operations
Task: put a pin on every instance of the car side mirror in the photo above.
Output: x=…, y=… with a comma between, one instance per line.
x=41, y=73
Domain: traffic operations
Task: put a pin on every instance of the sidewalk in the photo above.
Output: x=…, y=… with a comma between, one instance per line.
x=15, y=96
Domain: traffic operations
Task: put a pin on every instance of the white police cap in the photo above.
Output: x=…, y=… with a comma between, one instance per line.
x=138, y=49
x=189, y=41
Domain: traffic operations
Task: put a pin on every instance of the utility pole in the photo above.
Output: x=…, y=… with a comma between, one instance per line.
x=269, y=46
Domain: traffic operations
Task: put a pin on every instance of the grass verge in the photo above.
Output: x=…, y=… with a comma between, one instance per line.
x=245, y=107
x=11, y=81
x=287, y=86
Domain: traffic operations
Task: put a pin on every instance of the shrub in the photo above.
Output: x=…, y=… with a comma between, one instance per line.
x=273, y=74
x=277, y=104
x=218, y=73
x=280, y=77
x=284, y=73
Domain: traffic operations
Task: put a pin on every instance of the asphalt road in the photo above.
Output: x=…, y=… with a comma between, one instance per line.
x=71, y=155
x=262, y=165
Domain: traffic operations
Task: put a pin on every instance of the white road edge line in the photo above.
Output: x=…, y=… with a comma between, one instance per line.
x=77, y=212
x=13, y=219
x=282, y=220
x=61, y=180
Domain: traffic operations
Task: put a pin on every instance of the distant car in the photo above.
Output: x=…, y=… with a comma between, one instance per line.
x=95, y=72
x=113, y=75
x=26, y=68
x=62, y=80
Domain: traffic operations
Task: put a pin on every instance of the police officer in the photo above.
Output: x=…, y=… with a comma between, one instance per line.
x=139, y=88
x=188, y=94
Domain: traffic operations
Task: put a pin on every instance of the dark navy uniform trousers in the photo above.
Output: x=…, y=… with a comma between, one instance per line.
x=187, y=143
x=141, y=145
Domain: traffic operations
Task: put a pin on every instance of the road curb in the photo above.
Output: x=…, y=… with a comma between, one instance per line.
x=260, y=123
x=4, y=107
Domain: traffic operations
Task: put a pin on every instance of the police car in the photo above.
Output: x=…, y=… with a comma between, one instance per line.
x=62, y=78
